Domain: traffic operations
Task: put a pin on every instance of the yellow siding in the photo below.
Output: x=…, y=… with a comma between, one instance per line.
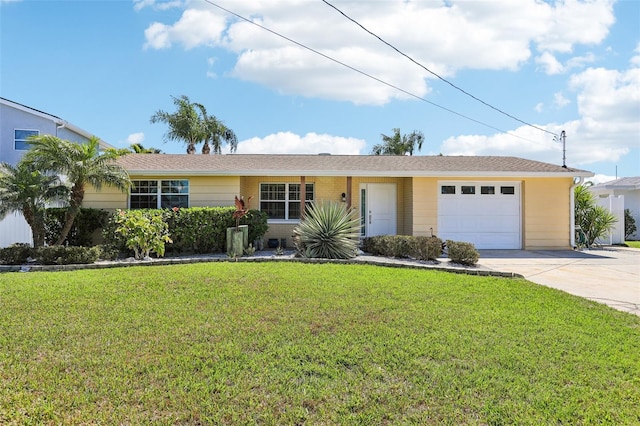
x=108, y=198
x=546, y=207
x=204, y=191
x=425, y=206
x=213, y=191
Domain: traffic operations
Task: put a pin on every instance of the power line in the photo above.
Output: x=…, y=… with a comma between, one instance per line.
x=366, y=74
x=434, y=74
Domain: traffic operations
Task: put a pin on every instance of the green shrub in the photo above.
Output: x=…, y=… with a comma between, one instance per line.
x=462, y=253
x=107, y=252
x=595, y=221
x=629, y=224
x=195, y=229
x=328, y=231
x=16, y=254
x=426, y=248
x=87, y=222
x=404, y=246
x=62, y=255
x=145, y=231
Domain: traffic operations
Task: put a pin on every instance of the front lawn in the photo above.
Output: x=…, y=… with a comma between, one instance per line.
x=634, y=244
x=290, y=343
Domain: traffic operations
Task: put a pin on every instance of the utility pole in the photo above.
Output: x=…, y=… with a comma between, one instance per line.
x=562, y=138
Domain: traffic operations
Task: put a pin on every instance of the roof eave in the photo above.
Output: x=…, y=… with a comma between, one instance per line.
x=357, y=173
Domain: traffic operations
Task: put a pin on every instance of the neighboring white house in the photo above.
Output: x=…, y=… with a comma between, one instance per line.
x=629, y=189
x=17, y=123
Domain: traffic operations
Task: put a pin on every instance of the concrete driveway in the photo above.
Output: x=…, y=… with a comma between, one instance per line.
x=609, y=275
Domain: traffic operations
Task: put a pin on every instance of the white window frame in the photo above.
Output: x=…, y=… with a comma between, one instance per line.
x=160, y=194
x=287, y=201
x=25, y=141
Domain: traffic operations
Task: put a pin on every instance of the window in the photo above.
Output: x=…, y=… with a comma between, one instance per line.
x=282, y=200
x=448, y=189
x=487, y=190
x=159, y=194
x=507, y=190
x=21, y=139
x=468, y=189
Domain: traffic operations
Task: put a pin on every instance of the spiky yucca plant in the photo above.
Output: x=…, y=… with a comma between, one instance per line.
x=328, y=231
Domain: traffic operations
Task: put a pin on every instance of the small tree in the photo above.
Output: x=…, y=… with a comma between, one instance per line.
x=26, y=189
x=399, y=144
x=594, y=220
x=216, y=132
x=81, y=165
x=629, y=224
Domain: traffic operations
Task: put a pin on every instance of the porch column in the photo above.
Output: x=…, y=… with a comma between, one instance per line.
x=348, y=192
x=303, y=195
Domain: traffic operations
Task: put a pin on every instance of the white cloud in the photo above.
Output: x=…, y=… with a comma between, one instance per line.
x=559, y=100
x=155, y=4
x=607, y=129
x=291, y=143
x=539, y=107
x=135, y=138
x=436, y=34
x=599, y=178
x=196, y=27
x=635, y=61
x=550, y=64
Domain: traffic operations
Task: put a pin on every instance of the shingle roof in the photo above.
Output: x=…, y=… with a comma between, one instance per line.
x=622, y=183
x=339, y=165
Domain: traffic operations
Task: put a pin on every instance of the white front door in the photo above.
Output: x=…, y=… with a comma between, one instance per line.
x=378, y=208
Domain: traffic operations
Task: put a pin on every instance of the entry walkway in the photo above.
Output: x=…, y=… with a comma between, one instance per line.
x=609, y=275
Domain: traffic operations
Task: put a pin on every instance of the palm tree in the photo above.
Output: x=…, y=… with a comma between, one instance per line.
x=138, y=148
x=81, y=164
x=184, y=125
x=26, y=189
x=215, y=131
x=399, y=145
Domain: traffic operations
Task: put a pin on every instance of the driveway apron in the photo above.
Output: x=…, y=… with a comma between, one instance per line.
x=609, y=275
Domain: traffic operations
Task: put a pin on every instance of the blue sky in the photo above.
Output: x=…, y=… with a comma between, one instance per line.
x=107, y=66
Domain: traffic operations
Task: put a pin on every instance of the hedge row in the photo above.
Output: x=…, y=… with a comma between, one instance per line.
x=404, y=246
x=196, y=229
x=20, y=254
x=85, y=226
x=421, y=248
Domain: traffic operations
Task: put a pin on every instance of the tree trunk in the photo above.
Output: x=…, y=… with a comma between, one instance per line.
x=191, y=149
x=206, y=148
x=77, y=195
x=37, y=227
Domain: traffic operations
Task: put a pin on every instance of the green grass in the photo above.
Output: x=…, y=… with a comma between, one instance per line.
x=280, y=343
x=634, y=244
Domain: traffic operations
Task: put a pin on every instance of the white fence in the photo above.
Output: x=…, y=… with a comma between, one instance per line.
x=14, y=229
x=615, y=204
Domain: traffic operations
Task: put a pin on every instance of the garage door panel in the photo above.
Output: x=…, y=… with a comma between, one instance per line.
x=485, y=220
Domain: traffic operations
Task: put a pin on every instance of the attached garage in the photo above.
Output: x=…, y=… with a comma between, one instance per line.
x=486, y=214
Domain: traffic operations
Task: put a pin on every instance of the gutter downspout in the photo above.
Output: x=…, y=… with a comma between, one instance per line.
x=572, y=203
x=60, y=125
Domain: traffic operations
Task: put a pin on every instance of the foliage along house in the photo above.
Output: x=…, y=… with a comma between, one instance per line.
x=17, y=123
x=616, y=196
x=493, y=202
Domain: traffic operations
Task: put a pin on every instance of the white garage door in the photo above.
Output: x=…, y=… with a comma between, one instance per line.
x=486, y=214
